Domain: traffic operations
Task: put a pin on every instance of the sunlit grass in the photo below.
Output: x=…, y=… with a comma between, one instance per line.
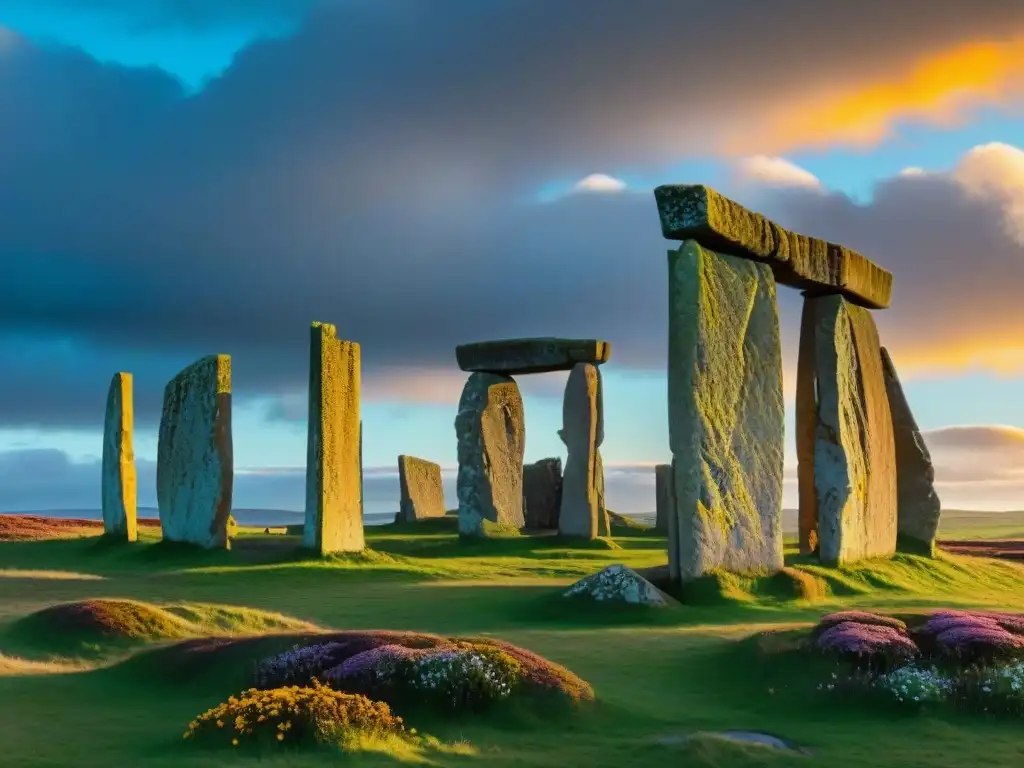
x=676, y=671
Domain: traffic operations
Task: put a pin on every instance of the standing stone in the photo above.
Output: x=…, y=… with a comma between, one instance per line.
x=672, y=529
x=334, y=498
x=663, y=497
x=362, y=486
x=195, y=459
x=806, y=428
x=726, y=418
x=917, y=505
x=854, y=450
x=583, y=513
x=119, y=482
x=542, y=493
x=422, y=494
x=491, y=441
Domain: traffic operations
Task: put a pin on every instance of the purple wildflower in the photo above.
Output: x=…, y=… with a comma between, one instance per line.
x=298, y=665
x=851, y=638
x=1011, y=622
x=374, y=661
x=978, y=638
x=860, y=617
x=943, y=621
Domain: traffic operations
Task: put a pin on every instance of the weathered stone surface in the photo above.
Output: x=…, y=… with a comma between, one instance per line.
x=334, y=495
x=663, y=497
x=422, y=494
x=619, y=584
x=491, y=440
x=583, y=513
x=672, y=531
x=806, y=428
x=542, y=493
x=119, y=485
x=699, y=213
x=918, y=507
x=854, y=451
x=195, y=458
x=538, y=355
x=726, y=418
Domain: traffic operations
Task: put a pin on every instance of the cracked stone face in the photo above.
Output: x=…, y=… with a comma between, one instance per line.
x=854, y=448
x=726, y=414
x=195, y=460
x=491, y=441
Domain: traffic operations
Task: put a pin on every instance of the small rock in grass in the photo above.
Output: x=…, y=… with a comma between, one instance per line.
x=617, y=583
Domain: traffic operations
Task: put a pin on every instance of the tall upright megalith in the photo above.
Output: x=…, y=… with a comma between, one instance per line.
x=918, y=507
x=195, y=460
x=422, y=493
x=807, y=428
x=542, y=493
x=334, y=519
x=491, y=442
x=663, y=497
x=726, y=418
x=119, y=485
x=854, y=449
x=583, y=513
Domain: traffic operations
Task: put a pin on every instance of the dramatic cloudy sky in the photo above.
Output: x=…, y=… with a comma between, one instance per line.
x=180, y=178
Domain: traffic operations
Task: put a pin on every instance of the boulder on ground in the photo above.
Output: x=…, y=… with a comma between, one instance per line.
x=619, y=584
x=542, y=493
x=854, y=450
x=422, y=494
x=119, y=485
x=491, y=440
x=726, y=415
x=195, y=459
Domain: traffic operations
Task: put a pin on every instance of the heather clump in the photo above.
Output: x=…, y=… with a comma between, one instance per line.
x=299, y=665
x=869, y=646
x=976, y=659
x=858, y=617
x=411, y=670
x=296, y=715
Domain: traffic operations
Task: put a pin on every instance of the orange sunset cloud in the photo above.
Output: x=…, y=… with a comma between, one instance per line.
x=937, y=89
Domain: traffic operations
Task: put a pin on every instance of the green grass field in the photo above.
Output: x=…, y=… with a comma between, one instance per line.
x=70, y=699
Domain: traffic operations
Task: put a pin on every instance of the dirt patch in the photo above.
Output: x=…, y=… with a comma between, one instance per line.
x=37, y=527
x=1003, y=549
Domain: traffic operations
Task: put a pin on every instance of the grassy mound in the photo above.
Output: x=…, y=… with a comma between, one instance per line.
x=298, y=658
x=101, y=627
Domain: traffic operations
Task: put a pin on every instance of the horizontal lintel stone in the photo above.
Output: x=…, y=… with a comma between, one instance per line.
x=510, y=357
x=696, y=212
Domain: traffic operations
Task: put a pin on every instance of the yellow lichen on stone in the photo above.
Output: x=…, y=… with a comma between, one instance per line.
x=334, y=520
x=119, y=480
x=726, y=419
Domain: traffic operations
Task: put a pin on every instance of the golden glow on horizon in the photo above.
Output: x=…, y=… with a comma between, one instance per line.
x=936, y=89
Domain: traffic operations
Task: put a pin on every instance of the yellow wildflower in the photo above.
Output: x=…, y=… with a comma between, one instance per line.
x=280, y=737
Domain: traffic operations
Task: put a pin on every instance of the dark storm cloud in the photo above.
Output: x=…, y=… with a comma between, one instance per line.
x=374, y=171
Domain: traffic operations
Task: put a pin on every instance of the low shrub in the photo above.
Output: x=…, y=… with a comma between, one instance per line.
x=867, y=646
x=414, y=669
x=858, y=617
x=915, y=686
x=299, y=665
x=979, y=644
x=294, y=715
x=1002, y=688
